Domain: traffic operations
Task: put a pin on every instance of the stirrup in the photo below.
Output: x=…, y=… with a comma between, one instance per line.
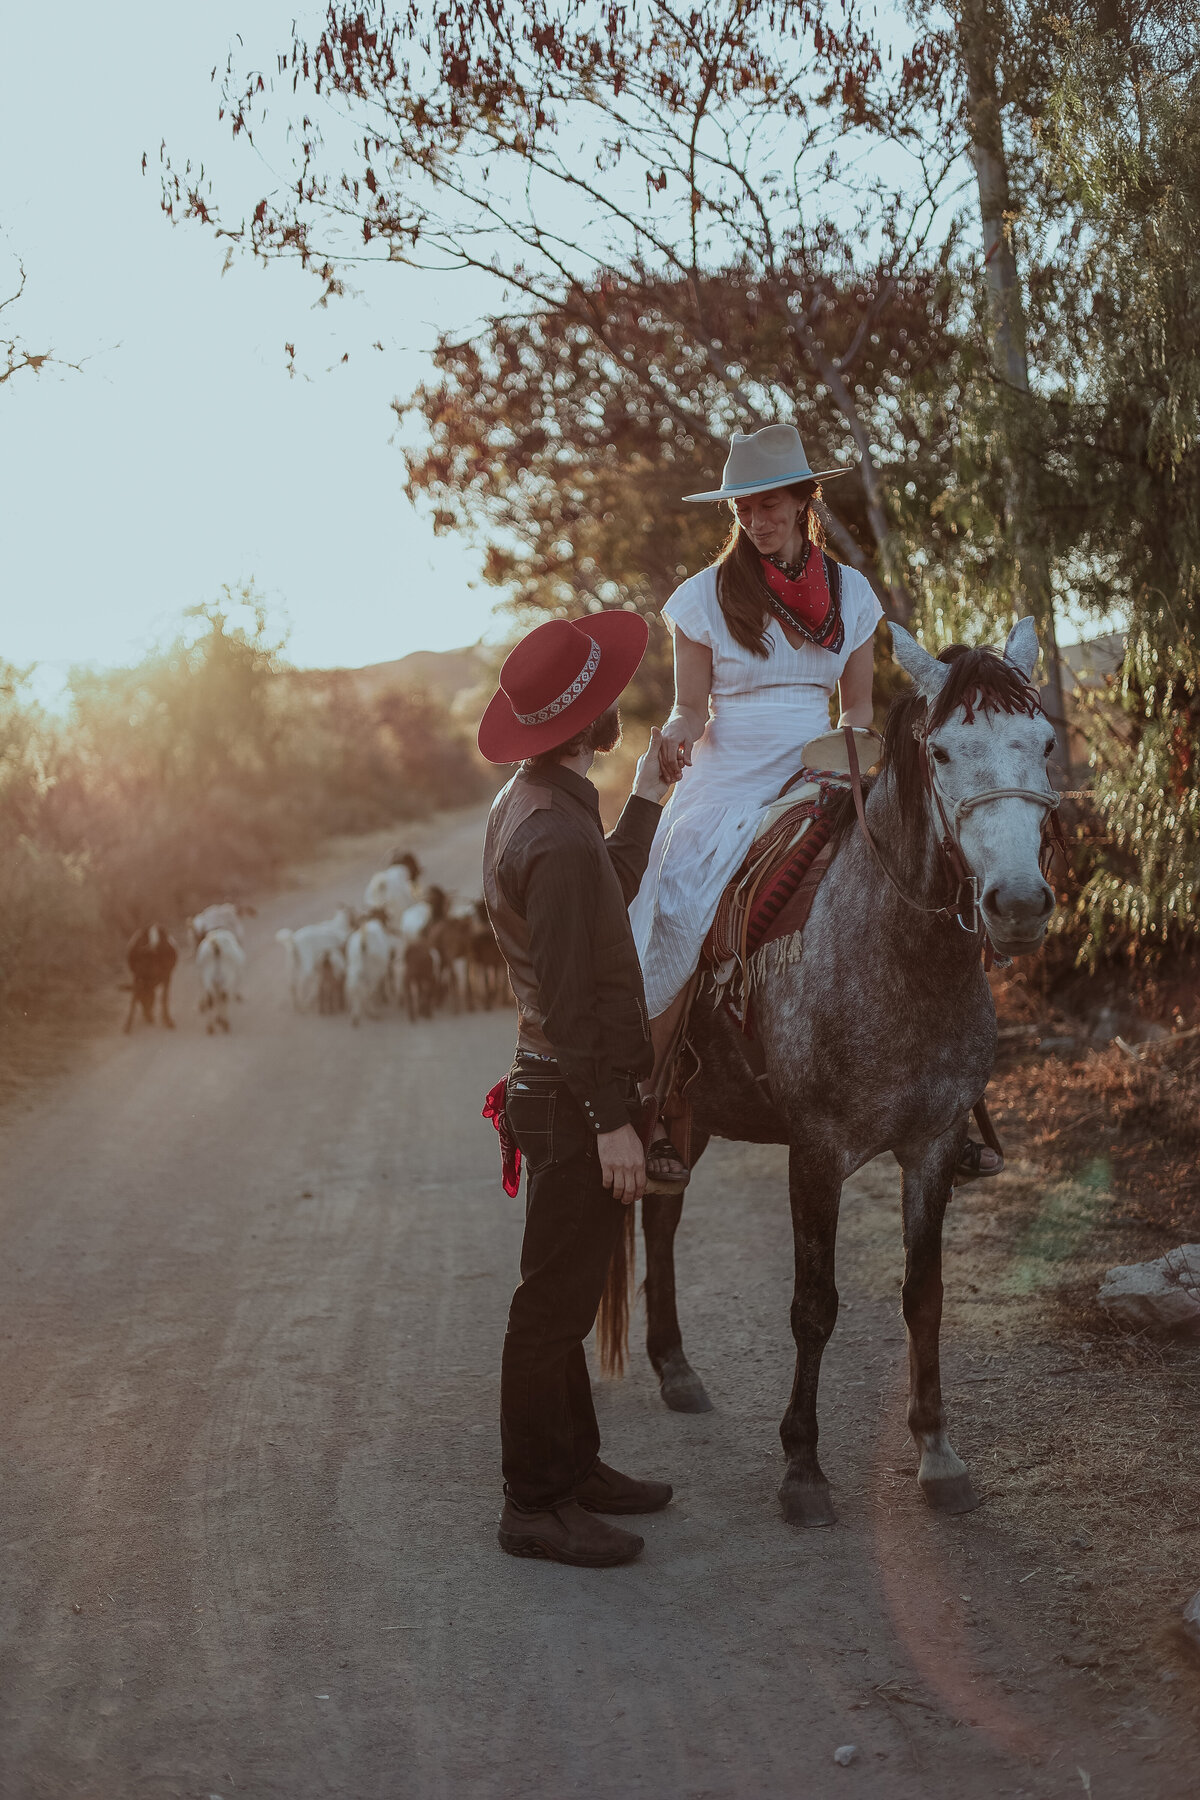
x=665, y=1151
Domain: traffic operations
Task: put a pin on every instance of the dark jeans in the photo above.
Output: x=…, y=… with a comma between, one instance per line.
x=548, y=1432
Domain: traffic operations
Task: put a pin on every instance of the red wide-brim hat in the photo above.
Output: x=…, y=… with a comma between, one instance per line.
x=558, y=680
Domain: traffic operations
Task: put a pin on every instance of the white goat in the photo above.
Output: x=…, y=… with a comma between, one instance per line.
x=307, y=947
x=220, y=960
x=224, y=916
x=368, y=968
x=393, y=889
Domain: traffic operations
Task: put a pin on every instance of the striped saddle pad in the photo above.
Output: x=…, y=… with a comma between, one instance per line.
x=768, y=901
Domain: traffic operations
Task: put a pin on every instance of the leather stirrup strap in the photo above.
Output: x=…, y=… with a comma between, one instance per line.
x=987, y=1130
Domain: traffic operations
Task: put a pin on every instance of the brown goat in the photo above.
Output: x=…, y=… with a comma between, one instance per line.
x=151, y=957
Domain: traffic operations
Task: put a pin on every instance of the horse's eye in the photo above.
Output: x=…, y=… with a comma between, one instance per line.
x=1050, y=748
x=940, y=755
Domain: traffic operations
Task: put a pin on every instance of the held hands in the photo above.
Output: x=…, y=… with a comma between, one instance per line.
x=675, y=747
x=650, y=783
x=622, y=1163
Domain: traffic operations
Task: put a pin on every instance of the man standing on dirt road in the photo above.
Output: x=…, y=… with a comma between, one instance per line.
x=557, y=892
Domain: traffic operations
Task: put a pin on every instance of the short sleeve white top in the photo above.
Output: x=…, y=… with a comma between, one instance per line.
x=787, y=674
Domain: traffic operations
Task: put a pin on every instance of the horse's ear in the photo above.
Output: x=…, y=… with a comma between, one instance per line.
x=926, y=671
x=1021, y=650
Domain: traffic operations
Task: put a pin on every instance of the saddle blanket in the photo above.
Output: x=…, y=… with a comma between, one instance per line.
x=761, y=916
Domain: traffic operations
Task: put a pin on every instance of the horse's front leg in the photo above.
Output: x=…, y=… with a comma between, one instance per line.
x=816, y=1187
x=928, y=1176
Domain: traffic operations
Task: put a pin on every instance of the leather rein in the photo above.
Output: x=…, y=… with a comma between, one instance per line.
x=958, y=870
x=962, y=880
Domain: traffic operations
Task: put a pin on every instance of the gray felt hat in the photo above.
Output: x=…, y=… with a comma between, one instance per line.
x=759, y=460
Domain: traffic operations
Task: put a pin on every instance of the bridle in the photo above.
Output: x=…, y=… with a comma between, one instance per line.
x=962, y=879
x=962, y=905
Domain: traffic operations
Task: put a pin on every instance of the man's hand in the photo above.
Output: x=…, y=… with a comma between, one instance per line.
x=675, y=748
x=622, y=1162
x=649, y=782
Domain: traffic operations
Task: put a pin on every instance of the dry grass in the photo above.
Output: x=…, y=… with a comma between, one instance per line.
x=1084, y=1422
x=1093, y=1460
x=36, y=1046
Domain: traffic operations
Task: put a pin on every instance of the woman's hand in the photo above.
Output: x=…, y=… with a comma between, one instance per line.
x=675, y=746
x=689, y=715
x=650, y=783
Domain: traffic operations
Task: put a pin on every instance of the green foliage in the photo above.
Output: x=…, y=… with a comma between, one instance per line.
x=1143, y=895
x=1124, y=142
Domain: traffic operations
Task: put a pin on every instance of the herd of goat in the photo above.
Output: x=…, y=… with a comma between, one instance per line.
x=409, y=944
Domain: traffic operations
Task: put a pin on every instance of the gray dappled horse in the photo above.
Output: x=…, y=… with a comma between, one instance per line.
x=882, y=1036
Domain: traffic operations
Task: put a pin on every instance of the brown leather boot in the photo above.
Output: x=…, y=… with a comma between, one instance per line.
x=566, y=1534
x=607, y=1491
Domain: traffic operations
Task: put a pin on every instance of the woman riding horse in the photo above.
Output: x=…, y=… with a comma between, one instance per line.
x=762, y=636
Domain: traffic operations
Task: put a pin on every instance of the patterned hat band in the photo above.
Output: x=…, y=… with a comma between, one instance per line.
x=570, y=696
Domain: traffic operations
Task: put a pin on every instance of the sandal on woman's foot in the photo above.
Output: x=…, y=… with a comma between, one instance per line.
x=665, y=1168
x=970, y=1163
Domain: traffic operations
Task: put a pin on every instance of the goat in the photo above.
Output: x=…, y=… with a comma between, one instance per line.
x=151, y=956
x=394, y=889
x=484, y=959
x=305, y=949
x=450, y=940
x=420, y=980
x=220, y=960
x=416, y=920
x=368, y=962
x=331, y=983
x=225, y=915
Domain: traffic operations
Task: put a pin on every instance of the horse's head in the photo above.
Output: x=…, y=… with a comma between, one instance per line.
x=986, y=744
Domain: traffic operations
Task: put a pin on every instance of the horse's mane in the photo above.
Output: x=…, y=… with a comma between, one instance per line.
x=979, y=680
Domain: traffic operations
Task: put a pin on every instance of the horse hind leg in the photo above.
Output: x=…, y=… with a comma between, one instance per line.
x=942, y=1475
x=815, y=1196
x=681, y=1387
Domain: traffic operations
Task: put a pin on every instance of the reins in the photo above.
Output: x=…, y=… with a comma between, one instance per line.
x=958, y=869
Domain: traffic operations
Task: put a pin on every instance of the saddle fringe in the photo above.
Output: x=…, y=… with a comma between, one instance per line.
x=772, y=959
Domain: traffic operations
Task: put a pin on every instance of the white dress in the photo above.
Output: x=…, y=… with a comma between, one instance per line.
x=762, y=711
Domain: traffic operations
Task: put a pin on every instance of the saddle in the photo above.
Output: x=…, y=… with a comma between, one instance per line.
x=761, y=916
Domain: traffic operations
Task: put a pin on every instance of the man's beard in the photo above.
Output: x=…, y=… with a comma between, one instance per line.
x=605, y=733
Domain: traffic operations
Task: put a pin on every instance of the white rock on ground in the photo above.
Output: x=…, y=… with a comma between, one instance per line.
x=1161, y=1296
x=1191, y=1619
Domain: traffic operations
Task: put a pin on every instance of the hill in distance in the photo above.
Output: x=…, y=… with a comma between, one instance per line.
x=445, y=675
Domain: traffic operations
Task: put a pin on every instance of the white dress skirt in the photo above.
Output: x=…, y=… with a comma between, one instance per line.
x=762, y=711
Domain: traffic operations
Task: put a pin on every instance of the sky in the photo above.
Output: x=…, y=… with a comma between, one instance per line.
x=181, y=456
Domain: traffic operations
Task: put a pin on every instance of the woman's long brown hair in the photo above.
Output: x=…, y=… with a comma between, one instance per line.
x=741, y=585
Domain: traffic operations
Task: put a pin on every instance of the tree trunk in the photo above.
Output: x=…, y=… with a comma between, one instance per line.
x=896, y=599
x=980, y=29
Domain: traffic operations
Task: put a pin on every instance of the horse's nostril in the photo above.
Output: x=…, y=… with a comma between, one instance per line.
x=1007, y=899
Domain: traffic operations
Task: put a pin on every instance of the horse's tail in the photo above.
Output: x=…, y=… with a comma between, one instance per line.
x=612, y=1320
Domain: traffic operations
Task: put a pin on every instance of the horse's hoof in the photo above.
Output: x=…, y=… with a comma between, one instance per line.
x=681, y=1387
x=807, y=1503
x=950, y=1493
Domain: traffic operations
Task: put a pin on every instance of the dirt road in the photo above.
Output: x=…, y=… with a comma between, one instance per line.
x=252, y=1300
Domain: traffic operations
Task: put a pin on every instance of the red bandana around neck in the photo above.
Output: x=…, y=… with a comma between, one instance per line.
x=804, y=601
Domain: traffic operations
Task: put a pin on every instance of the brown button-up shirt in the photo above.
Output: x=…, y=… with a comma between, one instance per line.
x=557, y=892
